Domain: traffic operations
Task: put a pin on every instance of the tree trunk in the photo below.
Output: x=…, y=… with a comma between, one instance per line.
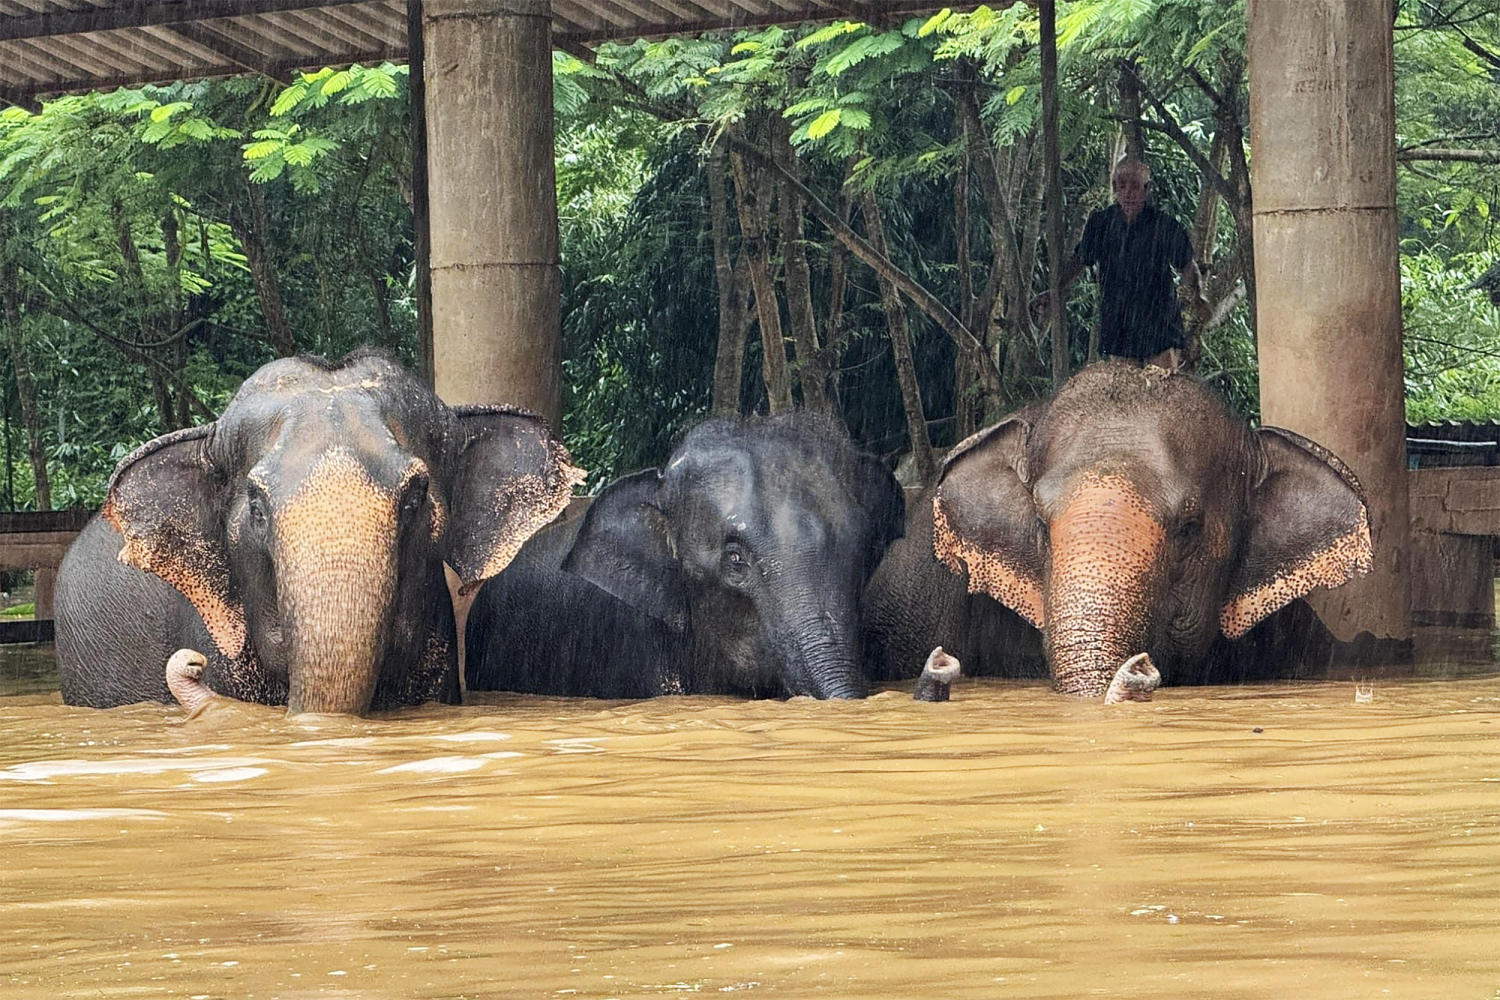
x=838, y=276
x=929, y=303
x=768, y=309
x=25, y=384
x=964, y=387
x=1047, y=10
x=1206, y=218
x=906, y=369
x=168, y=321
x=133, y=280
x=729, y=361
x=797, y=278
x=812, y=374
x=382, y=297
x=1239, y=178
x=254, y=236
x=1130, y=111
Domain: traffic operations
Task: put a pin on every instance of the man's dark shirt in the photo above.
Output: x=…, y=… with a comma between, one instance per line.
x=1138, y=312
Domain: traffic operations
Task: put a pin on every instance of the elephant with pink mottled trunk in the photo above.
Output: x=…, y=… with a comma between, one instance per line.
x=1132, y=513
x=298, y=544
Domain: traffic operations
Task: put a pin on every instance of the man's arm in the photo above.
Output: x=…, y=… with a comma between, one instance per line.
x=1071, y=269
x=1084, y=254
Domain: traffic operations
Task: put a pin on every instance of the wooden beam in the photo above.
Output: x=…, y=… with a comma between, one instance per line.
x=78, y=53
x=277, y=70
x=141, y=13
x=1463, y=500
x=240, y=55
x=364, y=23
x=600, y=15
x=746, y=19
x=9, y=96
x=33, y=61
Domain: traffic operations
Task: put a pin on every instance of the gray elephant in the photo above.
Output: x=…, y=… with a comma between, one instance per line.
x=298, y=541
x=1133, y=512
x=736, y=568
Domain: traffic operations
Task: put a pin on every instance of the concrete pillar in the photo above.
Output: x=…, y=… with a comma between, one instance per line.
x=1328, y=291
x=496, y=285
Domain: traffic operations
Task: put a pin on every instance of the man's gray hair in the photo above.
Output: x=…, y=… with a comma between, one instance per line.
x=1130, y=165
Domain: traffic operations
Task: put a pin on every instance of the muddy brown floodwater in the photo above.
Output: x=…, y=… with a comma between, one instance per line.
x=1225, y=842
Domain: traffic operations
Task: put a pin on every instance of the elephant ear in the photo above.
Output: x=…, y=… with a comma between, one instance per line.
x=167, y=501
x=1307, y=527
x=512, y=478
x=623, y=548
x=883, y=502
x=984, y=522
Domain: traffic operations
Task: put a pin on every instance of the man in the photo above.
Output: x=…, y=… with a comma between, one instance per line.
x=1136, y=248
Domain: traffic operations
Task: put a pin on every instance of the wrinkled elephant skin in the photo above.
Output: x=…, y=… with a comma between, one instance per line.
x=1131, y=513
x=299, y=541
x=736, y=568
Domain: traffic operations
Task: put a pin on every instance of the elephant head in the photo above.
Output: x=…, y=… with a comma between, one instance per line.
x=1134, y=512
x=756, y=539
x=308, y=525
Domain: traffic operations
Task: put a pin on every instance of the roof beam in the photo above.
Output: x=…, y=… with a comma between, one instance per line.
x=8, y=96
x=240, y=55
x=143, y=13
x=747, y=18
x=276, y=70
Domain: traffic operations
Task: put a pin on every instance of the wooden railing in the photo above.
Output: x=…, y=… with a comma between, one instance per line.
x=37, y=540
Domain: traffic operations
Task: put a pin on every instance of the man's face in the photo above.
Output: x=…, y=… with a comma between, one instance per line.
x=1131, y=190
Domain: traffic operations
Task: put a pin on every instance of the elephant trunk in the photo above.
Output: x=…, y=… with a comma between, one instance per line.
x=336, y=578
x=1106, y=563
x=820, y=651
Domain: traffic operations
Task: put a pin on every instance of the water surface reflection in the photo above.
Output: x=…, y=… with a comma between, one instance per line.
x=1229, y=842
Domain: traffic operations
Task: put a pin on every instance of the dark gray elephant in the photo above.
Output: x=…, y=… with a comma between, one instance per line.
x=737, y=568
x=1133, y=512
x=298, y=542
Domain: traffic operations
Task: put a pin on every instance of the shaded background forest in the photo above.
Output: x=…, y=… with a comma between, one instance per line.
x=158, y=245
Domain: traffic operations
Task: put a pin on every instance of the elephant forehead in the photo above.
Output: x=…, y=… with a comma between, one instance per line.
x=1104, y=504
x=303, y=441
x=340, y=504
x=362, y=410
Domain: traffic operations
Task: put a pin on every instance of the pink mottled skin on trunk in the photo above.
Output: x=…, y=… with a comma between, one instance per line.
x=1106, y=552
x=184, y=671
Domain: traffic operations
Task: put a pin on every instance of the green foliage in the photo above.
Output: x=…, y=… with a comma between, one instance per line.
x=1447, y=95
x=1452, y=337
x=122, y=217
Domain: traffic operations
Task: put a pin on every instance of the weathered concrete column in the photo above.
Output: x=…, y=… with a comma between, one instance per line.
x=493, y=203
x=1328, y=290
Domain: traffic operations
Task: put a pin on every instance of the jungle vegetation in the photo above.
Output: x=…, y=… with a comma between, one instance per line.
x=718, y=196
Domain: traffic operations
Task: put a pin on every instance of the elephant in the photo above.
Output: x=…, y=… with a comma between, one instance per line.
x=1133, y=512
x=736, y=568
x=298, y=543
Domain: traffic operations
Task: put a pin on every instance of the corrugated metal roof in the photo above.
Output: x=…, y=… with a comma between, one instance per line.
x=55, y=46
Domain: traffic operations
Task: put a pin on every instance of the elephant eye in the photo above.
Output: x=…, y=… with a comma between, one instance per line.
x=415, y=495
x=735, y=563
x=1189, y=529
x=257, y=506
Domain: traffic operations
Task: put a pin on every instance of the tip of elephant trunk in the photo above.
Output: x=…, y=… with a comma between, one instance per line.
x=938, y=674
x=1134, y=681
x=184, y=675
